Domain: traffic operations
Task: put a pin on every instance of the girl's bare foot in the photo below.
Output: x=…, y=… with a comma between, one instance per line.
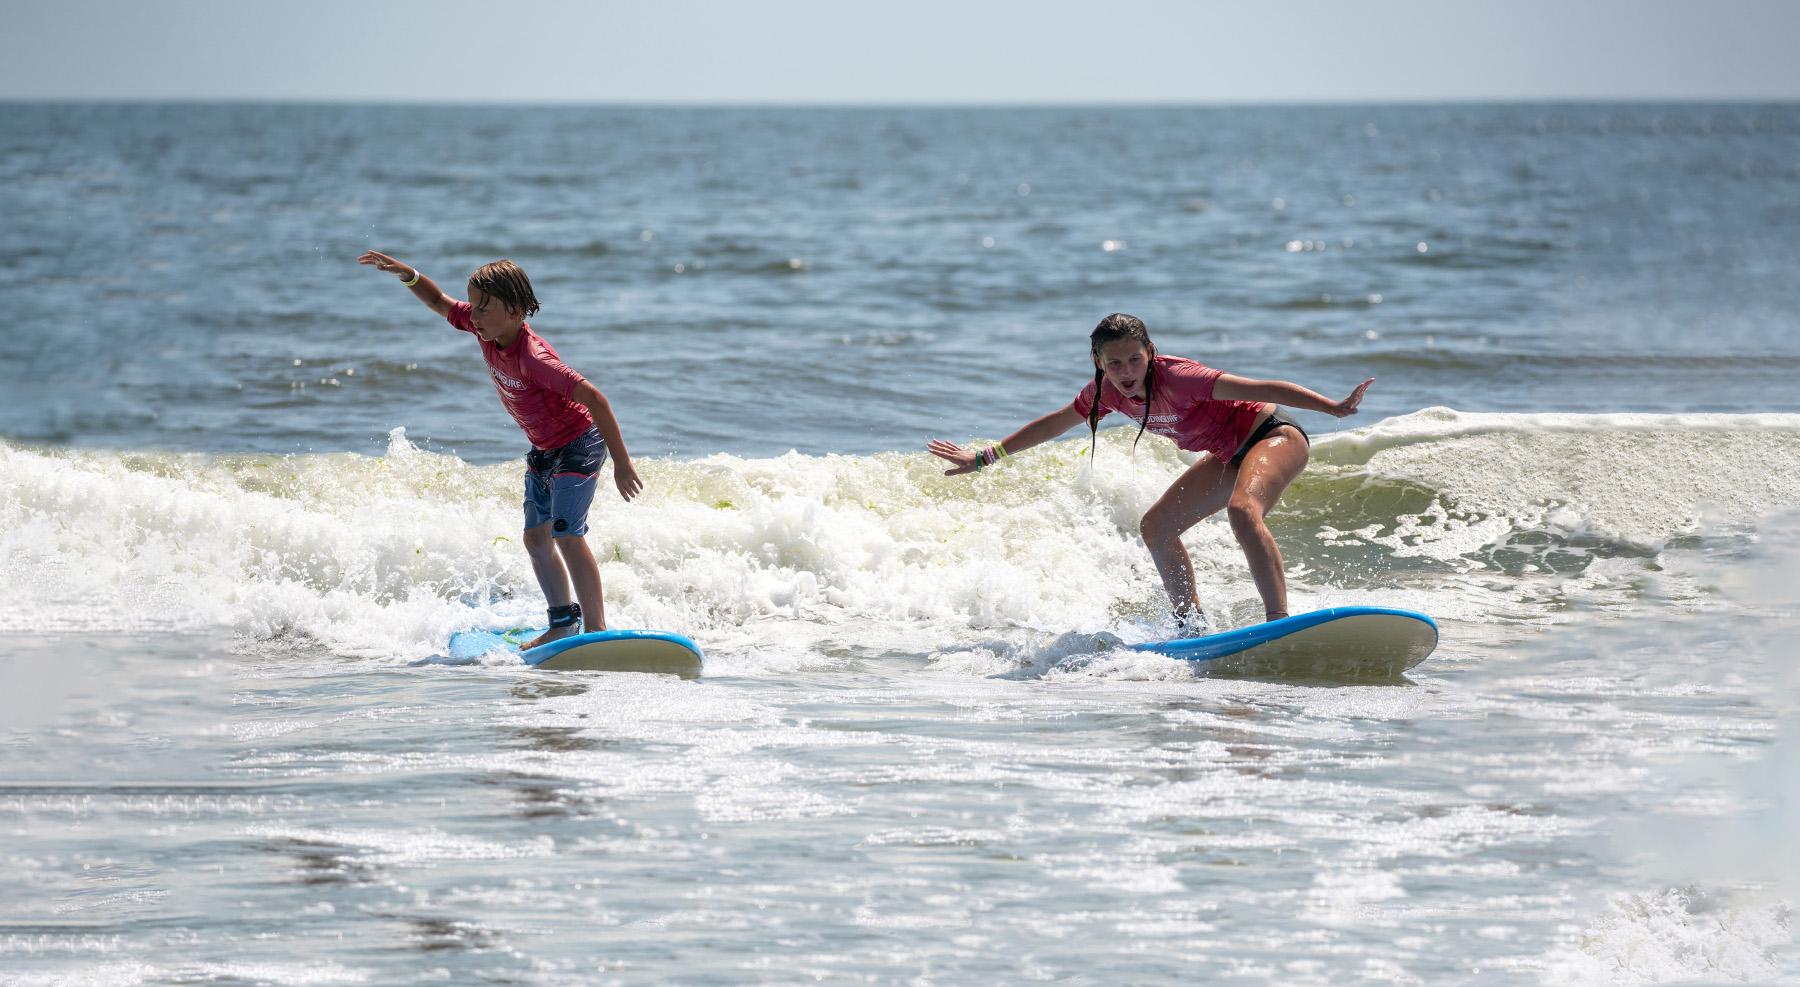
x=1192, y=623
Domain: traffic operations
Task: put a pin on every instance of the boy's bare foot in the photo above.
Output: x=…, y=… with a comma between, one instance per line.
x=565, y=621
x=553, y=634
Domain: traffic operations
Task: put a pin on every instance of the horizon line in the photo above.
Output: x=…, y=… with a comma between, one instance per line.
x=1323, y=103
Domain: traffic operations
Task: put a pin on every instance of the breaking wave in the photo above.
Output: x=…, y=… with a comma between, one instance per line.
x=1471, y=517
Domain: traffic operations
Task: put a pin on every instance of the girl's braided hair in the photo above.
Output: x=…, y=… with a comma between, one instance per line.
x=505, y=281
x=1110, y=330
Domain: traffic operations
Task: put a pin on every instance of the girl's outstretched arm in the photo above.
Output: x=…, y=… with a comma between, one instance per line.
x=1039, y=431
x=1233, y=388
x=422, y=287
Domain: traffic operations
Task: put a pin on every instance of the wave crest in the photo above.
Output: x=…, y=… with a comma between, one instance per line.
x=1468, y=516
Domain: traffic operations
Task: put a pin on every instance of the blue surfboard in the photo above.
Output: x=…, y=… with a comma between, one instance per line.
x=1337, y=643
x=655, y=652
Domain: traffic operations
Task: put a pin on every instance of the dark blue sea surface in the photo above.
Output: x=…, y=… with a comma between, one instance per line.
x=754, y=280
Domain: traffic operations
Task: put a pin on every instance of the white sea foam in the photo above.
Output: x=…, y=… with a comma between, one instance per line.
x=1674, y=935
x=131, y=974
x=1471, y=517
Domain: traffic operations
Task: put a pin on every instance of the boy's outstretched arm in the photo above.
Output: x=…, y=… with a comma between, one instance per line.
x=424, y=289
x=624, y=476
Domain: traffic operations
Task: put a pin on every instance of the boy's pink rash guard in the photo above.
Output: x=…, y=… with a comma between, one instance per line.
x=534, y=384
x=1183, y=408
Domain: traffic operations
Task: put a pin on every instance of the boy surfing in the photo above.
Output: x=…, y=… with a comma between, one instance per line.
x=1250, y=450
x=567, y=419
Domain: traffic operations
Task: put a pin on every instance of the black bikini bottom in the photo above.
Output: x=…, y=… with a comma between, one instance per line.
x=1276, y=419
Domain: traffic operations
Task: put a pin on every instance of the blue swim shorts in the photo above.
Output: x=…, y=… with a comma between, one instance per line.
x=559, y=484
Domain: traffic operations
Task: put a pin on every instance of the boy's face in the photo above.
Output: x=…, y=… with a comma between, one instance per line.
x=493, y=321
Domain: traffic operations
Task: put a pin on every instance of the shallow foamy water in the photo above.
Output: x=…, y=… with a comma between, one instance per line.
x=300, y=819
x=914, y=757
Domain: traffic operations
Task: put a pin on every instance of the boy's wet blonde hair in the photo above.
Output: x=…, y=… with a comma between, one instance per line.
x=505, y=281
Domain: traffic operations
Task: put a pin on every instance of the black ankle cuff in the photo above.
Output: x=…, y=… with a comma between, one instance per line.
x=565, y=616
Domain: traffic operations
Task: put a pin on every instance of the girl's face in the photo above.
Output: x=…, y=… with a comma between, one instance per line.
x=1125, y=362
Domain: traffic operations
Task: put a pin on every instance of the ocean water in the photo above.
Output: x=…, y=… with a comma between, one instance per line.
x=248, y=489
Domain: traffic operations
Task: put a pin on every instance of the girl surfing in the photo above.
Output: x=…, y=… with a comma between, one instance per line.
x=1250, y=450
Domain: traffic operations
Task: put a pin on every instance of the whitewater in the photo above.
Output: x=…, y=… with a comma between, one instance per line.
x=1485, y=518
x=915, y=730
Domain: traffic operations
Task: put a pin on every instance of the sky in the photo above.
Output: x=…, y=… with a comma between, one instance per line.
x=919, y=52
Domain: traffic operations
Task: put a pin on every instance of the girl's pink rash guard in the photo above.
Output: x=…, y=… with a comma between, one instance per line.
x=534, y=384
x=1182, y=408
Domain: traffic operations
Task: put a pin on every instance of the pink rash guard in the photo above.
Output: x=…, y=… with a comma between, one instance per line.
x=534, y=384
x=1183, y=408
